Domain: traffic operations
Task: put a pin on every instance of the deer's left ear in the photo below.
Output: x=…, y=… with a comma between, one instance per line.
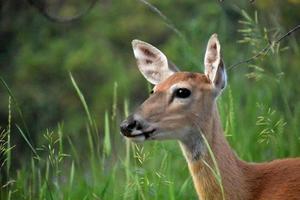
x=214, y=67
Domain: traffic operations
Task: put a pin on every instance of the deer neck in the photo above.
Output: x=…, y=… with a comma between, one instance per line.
x=198, y=156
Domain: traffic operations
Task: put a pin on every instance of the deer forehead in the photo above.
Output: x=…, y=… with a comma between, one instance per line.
x=183, y=79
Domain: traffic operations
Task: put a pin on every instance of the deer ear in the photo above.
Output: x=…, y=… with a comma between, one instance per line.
x=152, y=63
x=214, y=68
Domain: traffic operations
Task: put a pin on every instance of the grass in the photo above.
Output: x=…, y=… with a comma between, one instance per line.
x=214, y=169
x=57, y=169
x=113, y=168
x=103, y=165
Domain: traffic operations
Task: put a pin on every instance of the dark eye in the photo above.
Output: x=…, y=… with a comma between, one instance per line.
x=151, y=92
x=182, y=93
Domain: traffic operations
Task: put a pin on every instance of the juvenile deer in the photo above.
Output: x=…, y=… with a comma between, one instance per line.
x=183, y=107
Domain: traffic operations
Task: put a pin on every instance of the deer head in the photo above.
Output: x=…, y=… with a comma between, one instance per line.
x=180, y=102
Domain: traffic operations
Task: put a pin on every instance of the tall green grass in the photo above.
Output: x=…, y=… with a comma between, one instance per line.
x=57, y=169
x=106, y=166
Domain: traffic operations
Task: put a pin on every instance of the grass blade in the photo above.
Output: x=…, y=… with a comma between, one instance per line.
x=107, y=142
x=27, y=141
x=82, y=99
x=17, y=107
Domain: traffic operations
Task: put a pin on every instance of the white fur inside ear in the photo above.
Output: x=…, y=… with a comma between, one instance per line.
x=152, y=63
x=212, y=57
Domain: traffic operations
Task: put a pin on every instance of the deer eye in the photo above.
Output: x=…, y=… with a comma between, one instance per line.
x=182, y=93
x=151, y=92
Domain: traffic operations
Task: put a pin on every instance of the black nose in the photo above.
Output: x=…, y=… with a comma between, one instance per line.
x=128, y=125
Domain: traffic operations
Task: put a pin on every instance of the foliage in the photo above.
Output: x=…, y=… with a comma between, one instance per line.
x=60, y=135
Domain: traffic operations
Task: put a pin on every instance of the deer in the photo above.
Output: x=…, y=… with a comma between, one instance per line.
x=183, y=106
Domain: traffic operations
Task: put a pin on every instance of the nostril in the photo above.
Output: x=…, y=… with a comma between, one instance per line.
x=131, y=125
x=123, y=127
x=139, y=126
x=128, y=126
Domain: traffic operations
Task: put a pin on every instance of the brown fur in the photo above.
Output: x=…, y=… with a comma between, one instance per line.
x=147, y=52
x=194, y=118
x=181, y=77
x=277, y=180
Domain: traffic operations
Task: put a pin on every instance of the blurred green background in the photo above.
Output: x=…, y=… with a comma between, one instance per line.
x=64, y=150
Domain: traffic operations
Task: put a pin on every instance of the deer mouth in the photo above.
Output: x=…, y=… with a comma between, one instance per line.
x=145, y=134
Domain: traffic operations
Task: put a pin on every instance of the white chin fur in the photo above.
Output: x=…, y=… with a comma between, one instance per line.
x=136, y=132
x=140, y=138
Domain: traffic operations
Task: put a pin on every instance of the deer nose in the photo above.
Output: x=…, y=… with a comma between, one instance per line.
x=128, y=125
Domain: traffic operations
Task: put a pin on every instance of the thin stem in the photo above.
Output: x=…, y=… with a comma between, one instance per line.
x=266, y=49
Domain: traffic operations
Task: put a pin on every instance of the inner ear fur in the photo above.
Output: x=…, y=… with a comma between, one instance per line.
x=152, y=63
x=214, y=66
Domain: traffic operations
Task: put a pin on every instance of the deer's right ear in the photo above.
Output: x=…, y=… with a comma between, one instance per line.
x=152, y=63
